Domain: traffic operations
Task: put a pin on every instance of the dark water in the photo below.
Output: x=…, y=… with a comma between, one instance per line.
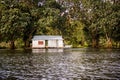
x=54, y=64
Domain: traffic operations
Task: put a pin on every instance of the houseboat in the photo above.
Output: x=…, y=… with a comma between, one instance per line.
x=47, y=41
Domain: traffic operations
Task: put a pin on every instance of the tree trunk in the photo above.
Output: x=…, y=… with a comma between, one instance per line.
x=118, y=44
x=109, y=43
x=27, y=44
x=12, y=45
x=94, y=43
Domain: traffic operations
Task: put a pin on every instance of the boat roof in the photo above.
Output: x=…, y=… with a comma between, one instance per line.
x=47, y=37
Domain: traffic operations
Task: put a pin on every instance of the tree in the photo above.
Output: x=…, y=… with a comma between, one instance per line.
x=12, y=23
x=31, y=16
x=49, y=13
x=110, y=23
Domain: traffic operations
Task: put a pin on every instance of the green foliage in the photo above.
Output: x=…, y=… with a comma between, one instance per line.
x=101, y=20
x=80, y=22
x=49, y=14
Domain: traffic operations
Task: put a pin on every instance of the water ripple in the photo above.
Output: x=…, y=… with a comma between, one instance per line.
x=74, y=64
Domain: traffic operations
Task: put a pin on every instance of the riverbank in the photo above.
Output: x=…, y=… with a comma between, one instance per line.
x=19, y=45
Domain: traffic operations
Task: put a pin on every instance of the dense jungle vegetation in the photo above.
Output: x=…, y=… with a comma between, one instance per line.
x=82, y=23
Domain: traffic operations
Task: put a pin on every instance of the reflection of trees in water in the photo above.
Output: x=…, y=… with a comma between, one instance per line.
x=16, y=63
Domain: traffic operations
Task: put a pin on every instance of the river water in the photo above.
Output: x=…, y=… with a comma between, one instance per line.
x=60, y=64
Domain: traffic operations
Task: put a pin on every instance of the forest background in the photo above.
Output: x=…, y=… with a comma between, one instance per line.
x=82, y=23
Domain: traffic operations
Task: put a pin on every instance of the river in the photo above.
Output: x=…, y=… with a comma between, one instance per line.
x=60, y=64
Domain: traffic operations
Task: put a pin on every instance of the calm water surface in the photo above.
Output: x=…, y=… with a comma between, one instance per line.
x=55, y=64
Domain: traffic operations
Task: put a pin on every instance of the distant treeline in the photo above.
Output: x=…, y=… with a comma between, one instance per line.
x=82, y=23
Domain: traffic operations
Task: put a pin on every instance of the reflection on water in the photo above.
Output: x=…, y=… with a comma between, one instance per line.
x=69, y=64
x=47, y=50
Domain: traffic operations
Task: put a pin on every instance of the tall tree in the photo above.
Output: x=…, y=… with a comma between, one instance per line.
x=50, y=11
x=12, y=22
x=30, y=14
x=110, y=22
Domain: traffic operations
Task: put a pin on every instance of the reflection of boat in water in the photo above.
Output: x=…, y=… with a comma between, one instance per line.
x=38, y=50
x=46, y=50
x=67, y=46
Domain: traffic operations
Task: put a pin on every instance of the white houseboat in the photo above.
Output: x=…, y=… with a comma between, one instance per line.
x=47, y=41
